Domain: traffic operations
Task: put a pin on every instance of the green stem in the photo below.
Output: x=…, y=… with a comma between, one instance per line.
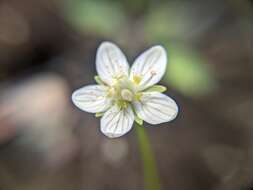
x=151, y=177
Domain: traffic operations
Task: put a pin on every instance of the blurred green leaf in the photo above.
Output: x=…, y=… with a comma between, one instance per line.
x=134, y=7
x=167, y=21
x=96, y=17
x=188, y=72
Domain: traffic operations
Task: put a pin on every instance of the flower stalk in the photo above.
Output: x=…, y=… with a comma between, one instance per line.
x=150, y=171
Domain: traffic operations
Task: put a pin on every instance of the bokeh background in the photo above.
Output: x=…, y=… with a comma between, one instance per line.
x=47, y=50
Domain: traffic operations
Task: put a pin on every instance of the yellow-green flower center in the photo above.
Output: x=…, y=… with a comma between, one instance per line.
x=126, y=94
x=123, y=92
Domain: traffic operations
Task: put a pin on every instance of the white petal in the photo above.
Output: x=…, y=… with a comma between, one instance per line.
x=92, y=98
x=150, y=66
x=117, y=122
x=156, y=108
x=111, y=63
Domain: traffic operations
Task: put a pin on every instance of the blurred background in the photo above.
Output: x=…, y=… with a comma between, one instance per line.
x=47, y=50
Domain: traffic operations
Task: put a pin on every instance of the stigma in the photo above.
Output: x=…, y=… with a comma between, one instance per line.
x=126, y=95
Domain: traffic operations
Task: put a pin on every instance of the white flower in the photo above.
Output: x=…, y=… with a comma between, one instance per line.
x=124, y=95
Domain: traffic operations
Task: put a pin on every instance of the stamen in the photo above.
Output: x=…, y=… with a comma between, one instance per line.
x=136, y=79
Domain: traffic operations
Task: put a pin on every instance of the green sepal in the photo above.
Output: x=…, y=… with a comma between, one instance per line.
x=99, y=114
x=156, y=88
x=138, y=120
x=98, y=80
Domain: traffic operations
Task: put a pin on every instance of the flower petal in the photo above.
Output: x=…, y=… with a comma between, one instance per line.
x=92, y=98
x=156, y=108
x=149, y=67
x=117, y=122
x=111, y=63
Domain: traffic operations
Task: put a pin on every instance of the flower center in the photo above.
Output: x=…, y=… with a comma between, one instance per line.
x=126, y=95
x=123, y=92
